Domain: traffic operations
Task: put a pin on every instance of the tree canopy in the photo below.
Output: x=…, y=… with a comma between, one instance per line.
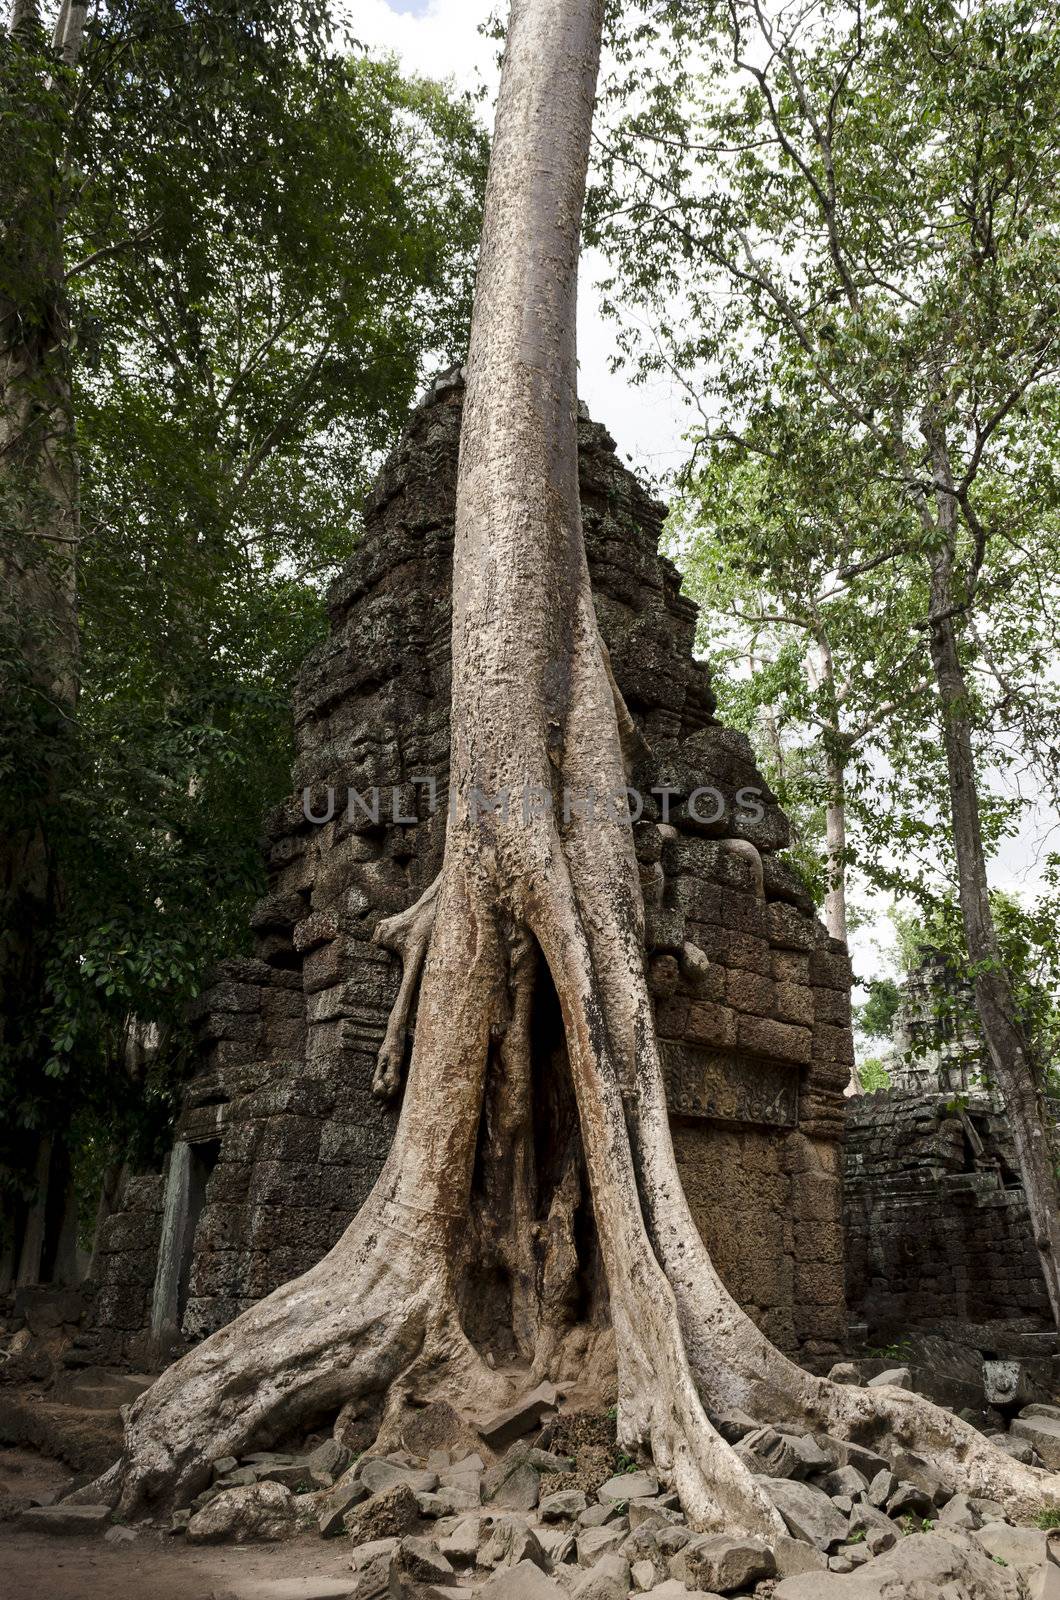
x=267, y=240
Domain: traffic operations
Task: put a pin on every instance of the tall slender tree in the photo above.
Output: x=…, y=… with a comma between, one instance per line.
x=534, y=708
x=876, y=186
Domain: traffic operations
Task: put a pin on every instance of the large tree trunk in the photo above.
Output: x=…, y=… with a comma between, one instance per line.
x=535, y=905
x=1011, y=1054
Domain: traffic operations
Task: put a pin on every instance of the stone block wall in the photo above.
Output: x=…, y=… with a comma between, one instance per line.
x=938, y=1236
x=752, y=995
x=118, y=1296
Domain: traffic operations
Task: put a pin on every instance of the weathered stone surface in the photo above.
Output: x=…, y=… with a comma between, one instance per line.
x=506, y=1426
x=290, y=1589
x=519, y=1491
x=522, y=1582
x=511, y=1540
x=562, y=1505
x=378, y=1474
x=1043, y=1434
x=387, y=1515
x=422, y=1559
x=894, y=1377
x=808, y=1512
x=260, y=1511
x=592, y=1543
x=461, y=1544
x=1043, y=1583
x=67, y=1520
x=1017, y=1547
x=347, y=1493
x=629, y=1486
x=924, y=1565
x=934, y=1239
x=720, y=1563
x=608, y=1580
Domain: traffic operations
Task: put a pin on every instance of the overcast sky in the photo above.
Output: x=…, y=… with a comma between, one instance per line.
x=440, y=39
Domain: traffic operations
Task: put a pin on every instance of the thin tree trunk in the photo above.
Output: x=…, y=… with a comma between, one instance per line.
x=835, y=835
x=1015, y=1070
x=534, y=712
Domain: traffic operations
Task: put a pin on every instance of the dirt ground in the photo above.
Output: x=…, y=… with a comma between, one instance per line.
x=153, y=1566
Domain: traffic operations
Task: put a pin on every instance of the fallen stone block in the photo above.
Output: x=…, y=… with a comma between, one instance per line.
x=341, y=1498
x=119, y=1535
x=422, y=1560
x=520, y=1490
x=768, y=1454
x=808, y=1512
x=593, y=1543
x=378, y=1474
x=924, y=1565
x=69, y=1521
x=462, y=1542
x=1042, y=1432
x=383, y=1516
x=557, y=1542
x=908, y=1500
x=720, y=1563
x=810, y=1459
x=562, y=1505
x=522, y=1582
x=608, y=1580
x=627, y=1486
x=1016, y=1547
x=503, y=1429
x=290, y=1588
x=960, y=1513
x=793, y=1556
x=260, y=1512
x=511, y=1542
x=893, y=1378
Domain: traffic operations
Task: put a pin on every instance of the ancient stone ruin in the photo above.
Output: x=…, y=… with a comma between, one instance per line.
x=280, y=1137
x=937, y=1232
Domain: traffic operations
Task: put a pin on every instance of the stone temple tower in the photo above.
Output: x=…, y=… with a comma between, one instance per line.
x=280, y=1138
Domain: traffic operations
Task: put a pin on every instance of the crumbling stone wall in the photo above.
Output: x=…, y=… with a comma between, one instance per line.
x=117, y=1297
x=756, y=1028
x=937, y=1231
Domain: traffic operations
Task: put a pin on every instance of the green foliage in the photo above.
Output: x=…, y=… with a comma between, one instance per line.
x=873, y=1075
x=267, y=244
x=876, y=1016
x=1048, y=1519
x=841, y=229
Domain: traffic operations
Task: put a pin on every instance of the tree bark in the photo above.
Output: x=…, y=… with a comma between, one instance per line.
x=835, y=833
x=540, y=890
x=1017, y=1074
